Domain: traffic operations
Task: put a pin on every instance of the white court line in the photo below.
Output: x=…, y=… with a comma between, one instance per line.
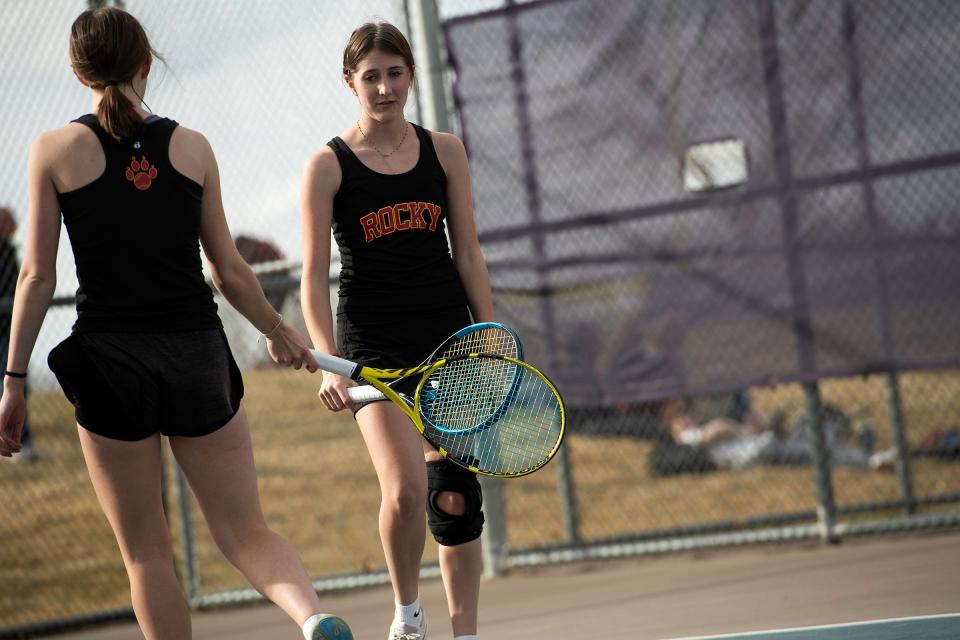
x=845, y=625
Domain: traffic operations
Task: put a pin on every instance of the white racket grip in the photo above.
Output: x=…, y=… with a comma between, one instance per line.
x=333, y=364
x=365, y=393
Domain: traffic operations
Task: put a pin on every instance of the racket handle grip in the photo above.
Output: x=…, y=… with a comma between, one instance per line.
x=363, y=394
x=336, y=365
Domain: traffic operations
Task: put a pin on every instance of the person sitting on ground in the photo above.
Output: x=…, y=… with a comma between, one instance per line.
x=735, y=436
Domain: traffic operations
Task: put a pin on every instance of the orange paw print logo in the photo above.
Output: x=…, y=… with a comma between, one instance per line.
x=141, y=173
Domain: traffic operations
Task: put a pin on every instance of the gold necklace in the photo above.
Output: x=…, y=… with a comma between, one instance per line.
x=381, y=153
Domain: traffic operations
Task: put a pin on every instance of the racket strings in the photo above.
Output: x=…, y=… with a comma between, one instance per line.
x=469, y=391
x=493, y=340
x=524, y=438
x=495, y=415
x=527, y=433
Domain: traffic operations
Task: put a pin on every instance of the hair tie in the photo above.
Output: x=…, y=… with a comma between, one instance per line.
x=109, y=83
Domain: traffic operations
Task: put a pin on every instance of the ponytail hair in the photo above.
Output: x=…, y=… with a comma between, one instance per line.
x=117, y=114
x=108, y=47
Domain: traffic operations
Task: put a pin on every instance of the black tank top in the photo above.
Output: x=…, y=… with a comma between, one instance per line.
x=391, y=233
x=135, y=233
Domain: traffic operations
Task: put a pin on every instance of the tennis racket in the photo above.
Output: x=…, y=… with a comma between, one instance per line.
x=490, y=414
x=490, y=338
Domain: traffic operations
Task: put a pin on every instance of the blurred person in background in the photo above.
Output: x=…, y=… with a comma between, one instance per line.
x=139, y=195
x=9, y=268
x=389, y=190
x=734, y=435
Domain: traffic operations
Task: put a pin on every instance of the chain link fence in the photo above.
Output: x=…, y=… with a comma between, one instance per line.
x=657, y=184
x=729, y=231
x=262, y=81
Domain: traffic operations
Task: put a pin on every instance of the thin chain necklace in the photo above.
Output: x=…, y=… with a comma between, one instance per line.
x=383, y=155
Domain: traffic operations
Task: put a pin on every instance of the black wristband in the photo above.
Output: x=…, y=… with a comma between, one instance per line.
x=14, y=374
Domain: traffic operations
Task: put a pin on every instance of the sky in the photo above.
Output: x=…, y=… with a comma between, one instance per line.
x=260, y=79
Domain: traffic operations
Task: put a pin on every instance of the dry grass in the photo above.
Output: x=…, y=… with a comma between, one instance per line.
x=59, y=558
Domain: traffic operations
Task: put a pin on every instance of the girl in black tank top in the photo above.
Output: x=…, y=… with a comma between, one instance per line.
x=391, y=232
x=128, y=285
x=391, y=192
x=147, y=356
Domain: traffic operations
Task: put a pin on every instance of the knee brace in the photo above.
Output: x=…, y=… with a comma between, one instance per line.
x=449, y=529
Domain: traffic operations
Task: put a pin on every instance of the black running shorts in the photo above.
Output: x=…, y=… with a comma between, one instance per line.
x=393, y=341
x=129, y=386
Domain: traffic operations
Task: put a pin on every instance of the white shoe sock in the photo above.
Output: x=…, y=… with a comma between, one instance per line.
x=408, y=613
x=310, y=624
x=466, y=637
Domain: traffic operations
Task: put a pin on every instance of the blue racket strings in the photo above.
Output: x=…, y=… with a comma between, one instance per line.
x=498, y=416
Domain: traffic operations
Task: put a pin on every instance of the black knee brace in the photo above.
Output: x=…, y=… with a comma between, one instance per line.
x=448, y=529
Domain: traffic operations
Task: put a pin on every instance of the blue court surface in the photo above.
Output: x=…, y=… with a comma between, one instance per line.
x=942, y=627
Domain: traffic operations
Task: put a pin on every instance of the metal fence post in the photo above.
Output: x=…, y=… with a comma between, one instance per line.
x=826, y=506
x=894, y=404
x=495, y=527
x=431, y=91
x=432, y=105
x=532, y=184
x=904, y=479
x=800, y=311
x=191, y=573
x=568, y=498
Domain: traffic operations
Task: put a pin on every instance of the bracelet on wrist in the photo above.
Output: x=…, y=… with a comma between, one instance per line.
x=15, y=374
x=275, y=327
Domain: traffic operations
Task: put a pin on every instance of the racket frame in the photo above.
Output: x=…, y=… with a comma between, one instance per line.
x=364, y=394
x=375, y=377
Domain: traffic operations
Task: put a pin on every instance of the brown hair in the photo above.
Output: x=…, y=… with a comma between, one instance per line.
x=370, y=36
x=107, y=48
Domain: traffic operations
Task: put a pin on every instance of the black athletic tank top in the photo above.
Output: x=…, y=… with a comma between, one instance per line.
x=391, y=233
x=135, y=233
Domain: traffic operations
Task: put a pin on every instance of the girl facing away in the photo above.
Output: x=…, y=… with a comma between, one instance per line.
x=139, y=195
x=390, y=191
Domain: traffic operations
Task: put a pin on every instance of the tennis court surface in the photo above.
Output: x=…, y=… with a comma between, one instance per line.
x=760, y=593
x=946, y=627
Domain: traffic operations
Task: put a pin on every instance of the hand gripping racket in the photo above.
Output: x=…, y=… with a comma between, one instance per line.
x=490, y=414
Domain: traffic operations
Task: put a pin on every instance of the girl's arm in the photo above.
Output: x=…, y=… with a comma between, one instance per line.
x=35, y=286
x=464, y=244
x=231, y=274
x=321, y=179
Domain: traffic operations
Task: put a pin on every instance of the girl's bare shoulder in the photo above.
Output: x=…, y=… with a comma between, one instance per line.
x=71, y=137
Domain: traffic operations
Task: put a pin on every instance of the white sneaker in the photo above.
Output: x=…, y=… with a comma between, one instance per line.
x=415, y=631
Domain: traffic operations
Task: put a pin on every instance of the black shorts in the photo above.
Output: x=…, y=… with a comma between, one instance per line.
x=392, y=341
x=129, y=386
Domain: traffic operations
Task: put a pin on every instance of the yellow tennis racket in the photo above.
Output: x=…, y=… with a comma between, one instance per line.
x=491, y=338
x=488, y=413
